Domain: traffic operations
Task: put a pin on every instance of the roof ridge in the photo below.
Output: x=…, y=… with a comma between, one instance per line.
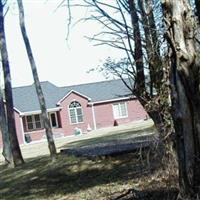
x=89, y=83
x=25, y=97
x=30, y=85
x=23, y=86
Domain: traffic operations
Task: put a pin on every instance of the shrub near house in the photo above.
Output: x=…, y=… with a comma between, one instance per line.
x=75, y=108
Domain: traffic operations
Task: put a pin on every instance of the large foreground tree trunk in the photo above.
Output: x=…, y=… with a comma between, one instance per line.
x=17, y=156
x=185, y=92
x=38, y=87
x=197, y=4
x=7, y=152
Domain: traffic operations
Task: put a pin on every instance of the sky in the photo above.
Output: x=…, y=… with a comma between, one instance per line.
x=60, y=61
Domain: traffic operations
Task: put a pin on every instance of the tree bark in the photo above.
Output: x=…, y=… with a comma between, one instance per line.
x=38, y=87
x=155, y=59
x=149, y=45
x=152, y=47
x=17, y=156
x=197, y=4
x=155, y=108
x=138, y=54
x=185, y=92
x=159, y=92
x=7, y=153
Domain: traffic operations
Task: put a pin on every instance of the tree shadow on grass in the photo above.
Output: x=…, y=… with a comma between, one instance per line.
x=151, y=194
x=39, y=178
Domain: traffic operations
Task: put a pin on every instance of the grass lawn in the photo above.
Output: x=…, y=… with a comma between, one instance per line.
x=75, y=178
x=79, y=179
x=128, y=134
x=105, y=134
x=122, y=132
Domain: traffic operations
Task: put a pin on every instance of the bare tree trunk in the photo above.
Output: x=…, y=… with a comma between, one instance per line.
x=157, y=111
x=17, y=156
x=197, y=4
x=185, y=92
x=138, y=54
x=149, y=45
x=38, y=87
x=155, y=59
x=7, y=153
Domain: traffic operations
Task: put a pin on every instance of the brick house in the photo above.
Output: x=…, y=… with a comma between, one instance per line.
x=75, y=108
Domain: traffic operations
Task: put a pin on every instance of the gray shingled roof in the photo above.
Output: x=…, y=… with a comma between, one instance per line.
x=25, y=98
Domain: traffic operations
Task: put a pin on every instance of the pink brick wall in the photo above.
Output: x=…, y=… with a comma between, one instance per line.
x=40, y=134
x=136, y=111
x=68, y=128
x=18, y=129
x=103, y=115
x=105, y=118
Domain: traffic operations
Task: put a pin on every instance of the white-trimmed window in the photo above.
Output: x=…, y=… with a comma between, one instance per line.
x=53, y=120
x=120, y=110
x=33, y=122
x=75, y=112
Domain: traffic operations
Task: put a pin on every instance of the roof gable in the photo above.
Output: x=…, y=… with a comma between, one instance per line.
x=75, y=92
x=26, y=100
x=101, y=91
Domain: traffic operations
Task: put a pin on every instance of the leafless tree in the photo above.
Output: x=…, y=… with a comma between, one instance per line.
x=7, y=153
x=130, y=26
x=181, y=26
x=178, y=67
x=8, y=126
x=38, y=87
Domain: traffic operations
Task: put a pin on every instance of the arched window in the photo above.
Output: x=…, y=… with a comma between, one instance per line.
x=75, y=112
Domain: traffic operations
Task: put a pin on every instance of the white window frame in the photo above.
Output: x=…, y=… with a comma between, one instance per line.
x=56, y=117
x=76, y=116
x=120, y=110
x=33, y=122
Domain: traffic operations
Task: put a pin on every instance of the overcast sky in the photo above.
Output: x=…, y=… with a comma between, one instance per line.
x=59, y=61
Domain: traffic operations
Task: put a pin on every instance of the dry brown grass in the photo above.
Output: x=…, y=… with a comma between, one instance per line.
x=82, y=179
x=128, y=176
